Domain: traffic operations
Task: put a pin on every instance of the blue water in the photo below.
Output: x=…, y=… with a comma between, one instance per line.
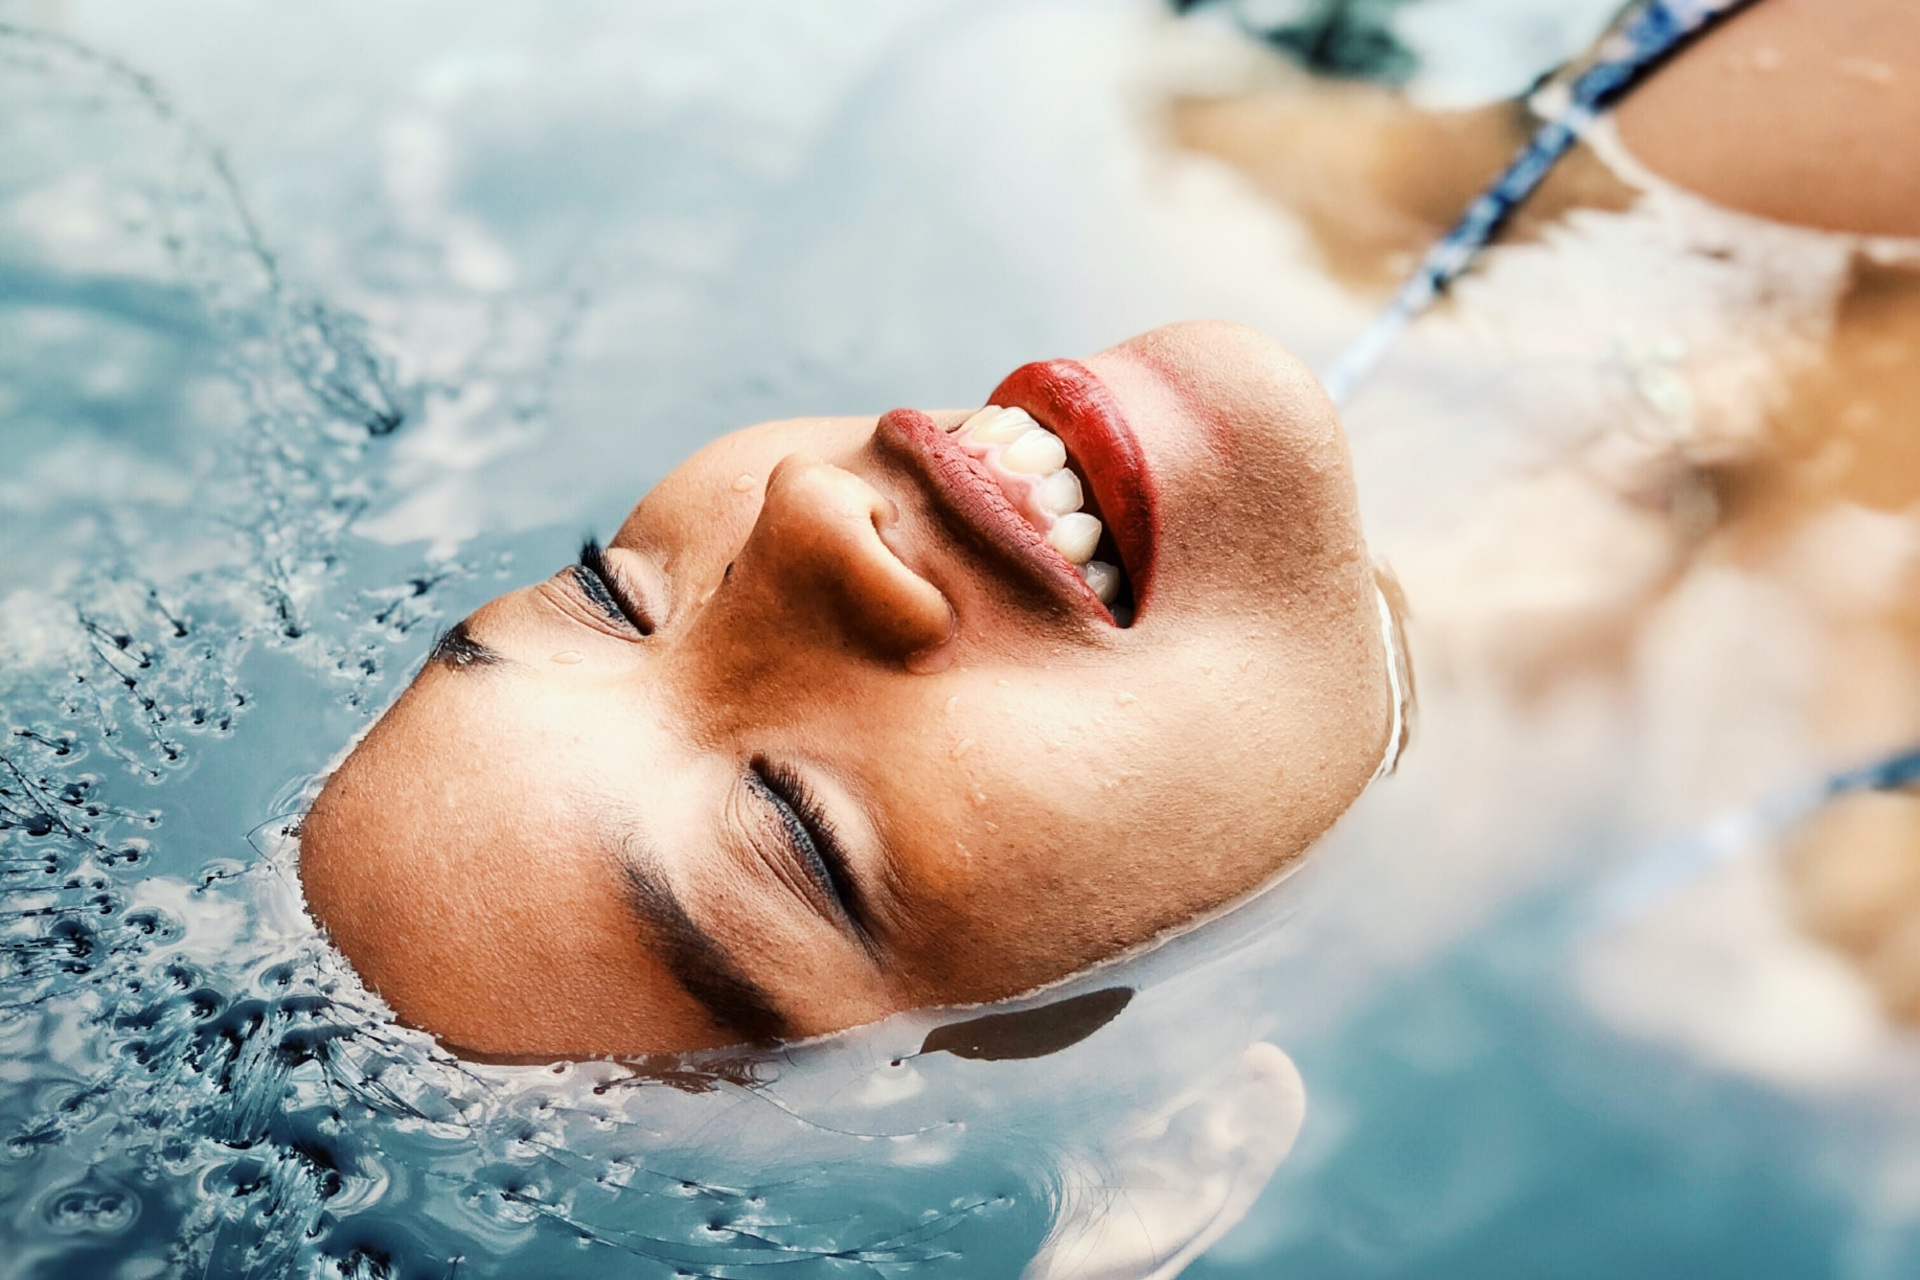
x=317, y=328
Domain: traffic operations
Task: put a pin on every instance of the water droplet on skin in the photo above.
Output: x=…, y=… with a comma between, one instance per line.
x=567, y=657
x=961, y=747
x=1125, y=699
x=1867, y=69
x=953, y=704
x=743, y=482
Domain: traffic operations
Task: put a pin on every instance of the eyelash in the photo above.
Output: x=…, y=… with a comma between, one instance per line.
x=810, y=830
x=596, y=582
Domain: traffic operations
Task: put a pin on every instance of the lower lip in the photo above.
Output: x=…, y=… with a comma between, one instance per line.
x=966, y=489
x=1065, y=397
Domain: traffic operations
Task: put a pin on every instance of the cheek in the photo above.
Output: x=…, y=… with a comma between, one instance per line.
x=702, y=511
x=691, y=533
x=999, y=770
x=1183, y=745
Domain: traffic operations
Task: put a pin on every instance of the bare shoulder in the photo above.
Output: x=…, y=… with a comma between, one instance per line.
x=1802, y=111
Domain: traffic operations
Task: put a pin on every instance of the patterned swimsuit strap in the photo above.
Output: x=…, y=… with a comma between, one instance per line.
x=1650, y=35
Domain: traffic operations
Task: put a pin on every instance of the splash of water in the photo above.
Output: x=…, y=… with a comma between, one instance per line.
x=196, y=1085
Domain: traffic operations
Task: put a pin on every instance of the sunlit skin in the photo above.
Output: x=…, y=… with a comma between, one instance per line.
x=1021, y=787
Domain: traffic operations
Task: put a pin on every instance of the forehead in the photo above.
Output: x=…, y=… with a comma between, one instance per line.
x=453, y=860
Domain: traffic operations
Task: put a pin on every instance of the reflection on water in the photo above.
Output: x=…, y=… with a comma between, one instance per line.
x=310, y=347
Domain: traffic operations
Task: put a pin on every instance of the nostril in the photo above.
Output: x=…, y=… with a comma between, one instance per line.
x=837, y=553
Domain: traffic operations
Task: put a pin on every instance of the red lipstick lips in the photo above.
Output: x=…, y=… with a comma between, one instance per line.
x=1067, y=399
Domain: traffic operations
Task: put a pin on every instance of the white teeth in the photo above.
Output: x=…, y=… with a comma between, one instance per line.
x=1037, y=453
x=1060, y=493
x=994, y=425
x=1103, y=578
x=1074, y=536
x=1032, y=463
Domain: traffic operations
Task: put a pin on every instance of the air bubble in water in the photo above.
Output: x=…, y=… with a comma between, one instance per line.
x=92, y=1206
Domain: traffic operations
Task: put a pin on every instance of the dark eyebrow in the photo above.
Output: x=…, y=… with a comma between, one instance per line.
x=458, y=649
x=698, y=961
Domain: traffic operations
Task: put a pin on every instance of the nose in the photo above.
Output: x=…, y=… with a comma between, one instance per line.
x=817, y=570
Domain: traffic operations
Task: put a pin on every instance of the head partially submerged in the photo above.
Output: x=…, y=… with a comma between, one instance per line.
x=834, y=726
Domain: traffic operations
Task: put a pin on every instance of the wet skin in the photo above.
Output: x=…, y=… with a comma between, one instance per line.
x=822, y=750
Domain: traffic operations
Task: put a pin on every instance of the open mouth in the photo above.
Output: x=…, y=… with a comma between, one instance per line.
x=1033, y=469
x=1065, y=399
x=1050, y=472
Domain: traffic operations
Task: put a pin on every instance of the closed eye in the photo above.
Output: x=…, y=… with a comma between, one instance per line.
x=604, y=590
x=815, y=844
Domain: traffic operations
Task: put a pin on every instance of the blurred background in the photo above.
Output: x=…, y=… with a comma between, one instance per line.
x=1643, y=481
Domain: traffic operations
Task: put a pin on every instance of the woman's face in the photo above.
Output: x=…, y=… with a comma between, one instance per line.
x=833, y=729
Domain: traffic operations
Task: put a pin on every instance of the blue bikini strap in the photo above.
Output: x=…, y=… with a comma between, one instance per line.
x=1642, y=44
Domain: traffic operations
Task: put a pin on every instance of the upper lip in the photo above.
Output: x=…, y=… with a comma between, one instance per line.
x=1066, y=398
